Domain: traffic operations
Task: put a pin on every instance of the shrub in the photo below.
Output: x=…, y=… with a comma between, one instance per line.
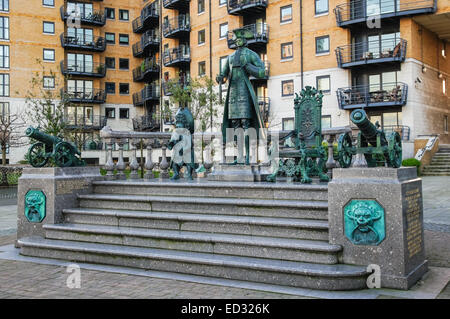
x=412, y=162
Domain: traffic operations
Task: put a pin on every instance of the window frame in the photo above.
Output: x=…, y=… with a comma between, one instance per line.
x=328, y=116
x=201, y=63
x=122, y=60
x=5, y=59
x=2, y=5
x=113, y=10
x=282, y=88
x=281, y=15
x=5, y=86
x=329, y=82
x=281, y=50
x=4, y=30
x=128, y=113
x=48, y=5
x=113, y=109
x=114, y=38
x=113, y=85
x=124, y=35
x=121, y=11
x=48, y=23
x=128, y=90
x=203, y=31
x=320, y=38
x=46, y=77
x=198, y=6
x=49, y=50
x=285, y=119
x=321, y=12
x=220, y=30
x=110, y=59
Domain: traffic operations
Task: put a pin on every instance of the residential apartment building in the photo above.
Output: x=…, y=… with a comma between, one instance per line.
x=389, y=56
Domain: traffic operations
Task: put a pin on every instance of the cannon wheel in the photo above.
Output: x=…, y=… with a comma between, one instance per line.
x=37, y=155
x=344, y=150
x=63, y=154
x=395, y=150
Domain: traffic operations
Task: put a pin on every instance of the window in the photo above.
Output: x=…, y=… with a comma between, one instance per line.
x=110, y=13
x=124, y=88
x=222, y=61
x=444, y=86
x=49, y=55
x=222, y=2
x=82, y=36
x=201, y=37
x=201, y=68
x=323, y=83
x=4, y=28
x=80, y=88
x=110, y=63
x=321, y=6
x=124, y=39
x=49, y=27
x=286, y=51
x=110, y=38
x=124, y=113
x=201, y=6
x=323, y=44
x=287, y=88
x=223, y=30
x=4, y=56
x=286, y=14
x=326, y=121
x=49, y=82
x=50, y=3
x=124, y=15
x=110, y=88
x=4, y=5
x=4, y=84
x=80, y=62
x=110, y=113
x=287, y=124
x=124, y=64
x=445, y=123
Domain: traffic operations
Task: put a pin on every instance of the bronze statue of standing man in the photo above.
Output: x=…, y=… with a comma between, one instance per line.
x=241, y=105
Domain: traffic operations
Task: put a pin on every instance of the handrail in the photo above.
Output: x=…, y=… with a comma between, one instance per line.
x=93, y=68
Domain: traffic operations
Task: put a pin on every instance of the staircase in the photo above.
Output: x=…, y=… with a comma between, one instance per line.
x=440, y=164
x=258, y=232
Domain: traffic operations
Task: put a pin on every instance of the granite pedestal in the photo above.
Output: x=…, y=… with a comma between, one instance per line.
x=396, y=242
x=60, y=186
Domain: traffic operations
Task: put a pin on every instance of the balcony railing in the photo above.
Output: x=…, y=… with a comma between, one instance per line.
x=86, y=96
x=97, y=44
x=149, y=93
x=176, y=4
x=149, y=40
x=264, y=108
x=371, y=52
x=177, y=56
x=166, y=85
x=359, y=11
x=260, y=33
x=145, y=123
x=96, y=122
x=148, y=68
x=88, y=18
x=403, y=130
x=241, y=7
x=177, y=27
x=149, y=18
x=388, y=94
x=95, y=69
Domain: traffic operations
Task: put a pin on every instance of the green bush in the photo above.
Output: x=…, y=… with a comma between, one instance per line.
x=412, y=162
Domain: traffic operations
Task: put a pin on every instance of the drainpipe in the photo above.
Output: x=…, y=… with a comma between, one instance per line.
x=210, y=61
x=301, y=43
x=161, y=121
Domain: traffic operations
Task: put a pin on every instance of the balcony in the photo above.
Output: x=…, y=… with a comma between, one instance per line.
x=242, y=7
x=178, y=27
x=145, y=123
x=148, y=69
x=149, y=18
x=95, y=18
x=176, y=4
x=177, y=57
x=388, y=94
x=372, y=52
x=87, y=96
x=166, y=85
x=260, y=37
x=96, y=44
x=149, y=41
x=264, y=108
x=150, y=93
x=97, y=70
x=266, y=77
x=74, y=122
x=359, y=12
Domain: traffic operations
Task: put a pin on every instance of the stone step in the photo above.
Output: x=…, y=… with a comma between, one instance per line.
x=227, y=244
x=441, y=156
x=437, y=167
x=436, y=174
x=206, y=205
x=227, y=224
x=437, y=170
x=288, y=191
x=269, y=271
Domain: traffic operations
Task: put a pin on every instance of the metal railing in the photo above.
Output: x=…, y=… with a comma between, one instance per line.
x=177, y=55
x=171, y=4
x=85, y=122
x=92, y=18
x=181, y=23
x=149, y=65
x=360, y=10
x=167, y=84
x=149, y=93
x=260, y=33
x=371, y=52
x=149, y=38
x=148, y=13
x=403, y=130
x=394, y=93
x=86, y=96
x=237, y=6
x=145, y=123
x=83, y=43
x=95, y=69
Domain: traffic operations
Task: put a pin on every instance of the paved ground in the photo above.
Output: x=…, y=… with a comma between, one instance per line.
x=20, y=279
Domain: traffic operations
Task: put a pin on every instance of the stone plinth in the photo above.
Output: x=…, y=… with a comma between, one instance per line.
x=376, y=214
x=240, y=173
x=58, y=187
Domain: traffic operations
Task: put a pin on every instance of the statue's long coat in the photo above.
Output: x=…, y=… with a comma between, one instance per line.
x=250, y=64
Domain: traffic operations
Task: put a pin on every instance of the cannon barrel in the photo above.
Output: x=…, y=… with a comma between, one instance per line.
x=368, y=130
x=41, y=136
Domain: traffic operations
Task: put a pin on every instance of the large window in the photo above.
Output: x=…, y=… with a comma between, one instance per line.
x=287, y=51
x=85, y=10
x=321, y=6
x=4, y=28
x=286, y=14
x=49, y=27
x=382, y=81
x=4, y=56
x=4, y=5
x=82, y=35
x=287, y=88
x=80, y=62
x=323, y=44
x=78, y=87
x=4, y=84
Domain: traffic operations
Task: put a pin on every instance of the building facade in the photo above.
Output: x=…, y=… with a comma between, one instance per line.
x=389, y=56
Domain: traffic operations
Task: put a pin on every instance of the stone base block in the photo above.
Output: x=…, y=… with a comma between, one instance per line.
x=240, y=173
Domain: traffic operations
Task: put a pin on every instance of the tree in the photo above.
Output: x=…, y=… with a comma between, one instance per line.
x=11, y=131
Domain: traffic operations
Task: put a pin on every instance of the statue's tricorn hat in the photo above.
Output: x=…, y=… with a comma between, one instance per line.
x=243, y=33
